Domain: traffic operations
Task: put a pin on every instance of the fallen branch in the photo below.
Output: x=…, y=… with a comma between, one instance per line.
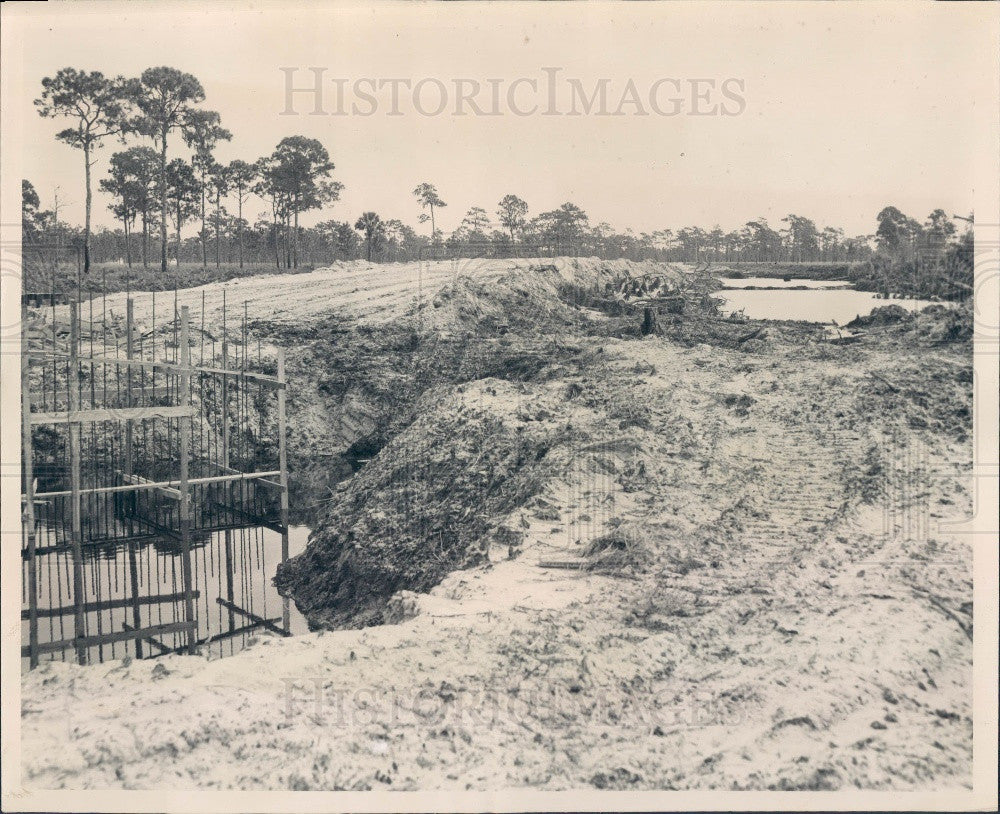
x=884, y=381
x=937, y=603
x=751, y=335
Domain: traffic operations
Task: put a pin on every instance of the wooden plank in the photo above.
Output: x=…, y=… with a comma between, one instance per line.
x=165, y=491
x=283, y=484
x=225, y=467
x=133, y=567
x=112, y=414
x=243, y=476
x=43, y=550
x=170, y=367
x=110, y=604
x=184, y=509
x=254, y=617
x=149, y=640
x=76, y=529
x=28, y=517
x=248, y=519
x=161, y=531
x=145, y=633
x=259, y=378
x=228, y=634
x=49, y=647
x=573, y=563
x=230, y=593
x=247, y=476
x=133, y=574
x=107, y=638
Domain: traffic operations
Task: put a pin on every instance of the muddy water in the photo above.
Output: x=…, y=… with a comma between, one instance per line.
x=255, y=555
x=823, y=301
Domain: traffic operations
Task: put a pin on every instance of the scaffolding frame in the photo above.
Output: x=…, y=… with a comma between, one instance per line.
x=123, y=503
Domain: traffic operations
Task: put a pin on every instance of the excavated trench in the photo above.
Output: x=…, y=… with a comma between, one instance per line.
x=444, y=468
x=413, y=443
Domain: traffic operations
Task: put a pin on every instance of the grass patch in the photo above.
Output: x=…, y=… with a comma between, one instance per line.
x=624, y=551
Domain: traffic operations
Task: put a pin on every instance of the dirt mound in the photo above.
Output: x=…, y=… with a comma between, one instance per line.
x=925, y=395
x=935, y=323
x=354, y=386
x=528, y=296
x=429, y=505
x=941, y=323
x=624, y=550
x=883, y=315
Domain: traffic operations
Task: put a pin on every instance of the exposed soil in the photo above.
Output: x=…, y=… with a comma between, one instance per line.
x=693, y=559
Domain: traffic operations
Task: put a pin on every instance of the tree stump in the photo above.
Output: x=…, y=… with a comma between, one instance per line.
x=648, y=321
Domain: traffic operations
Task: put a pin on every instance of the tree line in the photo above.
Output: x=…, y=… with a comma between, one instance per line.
x=155, y=194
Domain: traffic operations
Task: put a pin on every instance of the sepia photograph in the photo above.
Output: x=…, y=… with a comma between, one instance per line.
x=500, y=406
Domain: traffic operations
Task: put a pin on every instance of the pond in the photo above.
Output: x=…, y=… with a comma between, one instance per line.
x=256, y=553
x=822, y=301
x=778, y=282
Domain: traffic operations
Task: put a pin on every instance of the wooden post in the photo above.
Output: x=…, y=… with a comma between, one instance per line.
x=28, y=518
x=283, y=479
x=227, y=534
x=129, y=354
x=131, y=500
x=648, y=321
x=184, y=508
x=76, y=533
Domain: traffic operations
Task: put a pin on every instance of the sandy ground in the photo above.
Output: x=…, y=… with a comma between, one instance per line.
x=781, y=639
x=364, y=293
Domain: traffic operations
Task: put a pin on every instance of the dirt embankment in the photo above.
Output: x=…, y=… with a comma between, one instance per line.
x=448, y=464
x=451, y=459
x=358, y=371
x=771, y=596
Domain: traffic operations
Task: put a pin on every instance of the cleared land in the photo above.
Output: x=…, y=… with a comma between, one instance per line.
x=742, y=619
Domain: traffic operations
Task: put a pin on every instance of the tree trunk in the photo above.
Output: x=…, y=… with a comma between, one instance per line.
x=277, y=255
x=178, y=258
x=89, y=200
x=128, y=248
x=163, y=201
x=145, y=240
x=218, y=206
x=204, y=250
x=239, y=225
x=295, y=237
x=433, y=228
x=288, y=240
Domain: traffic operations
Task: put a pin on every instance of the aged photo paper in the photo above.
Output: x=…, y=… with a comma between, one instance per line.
x=415, y=406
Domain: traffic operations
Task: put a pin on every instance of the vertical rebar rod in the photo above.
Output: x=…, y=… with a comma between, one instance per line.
x=283, y=467
x=74, y=473
x=227, y=489
x=129, y=464
x=185, y=488
x=28, y=518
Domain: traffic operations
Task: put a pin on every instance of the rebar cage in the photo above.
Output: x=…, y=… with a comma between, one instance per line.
x=153, y=464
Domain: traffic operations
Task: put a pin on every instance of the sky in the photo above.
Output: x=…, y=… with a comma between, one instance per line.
x=836, y=110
